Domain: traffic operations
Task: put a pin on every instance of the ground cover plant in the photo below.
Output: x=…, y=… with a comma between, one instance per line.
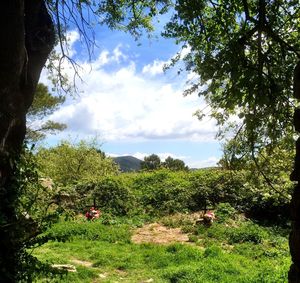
x=233, y=249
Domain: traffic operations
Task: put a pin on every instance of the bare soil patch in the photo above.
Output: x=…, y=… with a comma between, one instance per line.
x=159, y=234
x=82, y=262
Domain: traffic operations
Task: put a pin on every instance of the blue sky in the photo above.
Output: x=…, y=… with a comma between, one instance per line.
x=131, y=105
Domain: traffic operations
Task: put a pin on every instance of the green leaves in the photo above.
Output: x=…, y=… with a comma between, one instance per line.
x=70, y=163
x=131, y=16
x=44, y=104
x=244, y=53
x=151, y=162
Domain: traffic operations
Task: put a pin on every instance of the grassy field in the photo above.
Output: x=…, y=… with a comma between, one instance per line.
x=235, y=250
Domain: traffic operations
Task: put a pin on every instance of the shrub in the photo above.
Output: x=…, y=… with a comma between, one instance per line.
x=110, y=195
x=224, y=211
x=162, y=192
x=248, y=232
x=68, y=163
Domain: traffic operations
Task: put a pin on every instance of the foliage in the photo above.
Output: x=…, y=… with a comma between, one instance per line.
x=33, y=215
x=109, y=194
x=43, y=105
x=151, y=162
x=268, y=171
x=211, y=187
x=225, y=211
x=174, y=164
x=68, y=164
x=247, y=232
x=244, y=54
x=164, y=192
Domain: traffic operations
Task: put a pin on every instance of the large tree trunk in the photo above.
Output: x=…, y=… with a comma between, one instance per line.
x=294, y=273
x=27, y=37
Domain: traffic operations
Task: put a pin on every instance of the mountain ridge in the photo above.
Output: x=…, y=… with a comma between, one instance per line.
x=128, y=163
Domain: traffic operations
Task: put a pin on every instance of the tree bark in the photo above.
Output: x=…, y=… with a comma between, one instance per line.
x=27, y=37
x=294, y=240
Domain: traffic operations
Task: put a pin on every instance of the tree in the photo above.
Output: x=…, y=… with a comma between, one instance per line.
x=43, y=105
x=29, y=34
x=244, y=55
x=29, y=37
x=174, y=164
x=268, y=173
x=151, y=162
x=68, y=164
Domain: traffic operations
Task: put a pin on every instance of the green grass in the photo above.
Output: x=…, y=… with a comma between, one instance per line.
x=255, y=254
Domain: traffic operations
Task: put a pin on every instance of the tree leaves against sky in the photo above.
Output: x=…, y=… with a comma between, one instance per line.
x=244, y=53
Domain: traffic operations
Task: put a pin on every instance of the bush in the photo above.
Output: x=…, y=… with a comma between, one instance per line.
x=164, y=192
x=248, y=232
x=110, y=195
x=224, y=212
x=68, y=163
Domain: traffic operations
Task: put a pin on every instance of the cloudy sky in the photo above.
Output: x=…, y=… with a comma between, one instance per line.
x=132, y=106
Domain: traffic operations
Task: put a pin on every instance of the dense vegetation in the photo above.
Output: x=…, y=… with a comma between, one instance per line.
x=234, y=249
x=247, y=243
x=163, y=192
x=244, y=52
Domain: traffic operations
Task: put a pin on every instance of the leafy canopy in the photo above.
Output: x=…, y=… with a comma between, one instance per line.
x=174, y=164
x=243, y=54
x=151, y=162
x=43, y=105
x=69, y=164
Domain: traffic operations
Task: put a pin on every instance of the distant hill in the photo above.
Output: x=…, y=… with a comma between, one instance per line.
x=128, y=163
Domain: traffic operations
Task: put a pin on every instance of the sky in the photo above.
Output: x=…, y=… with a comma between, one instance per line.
x=131, y=105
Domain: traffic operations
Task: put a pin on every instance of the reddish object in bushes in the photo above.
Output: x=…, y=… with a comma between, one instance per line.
x=92, y=214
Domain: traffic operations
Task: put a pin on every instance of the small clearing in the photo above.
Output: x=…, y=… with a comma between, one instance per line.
x=159, y=234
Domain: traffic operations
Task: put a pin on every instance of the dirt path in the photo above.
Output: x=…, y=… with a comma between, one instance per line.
x=159, y=234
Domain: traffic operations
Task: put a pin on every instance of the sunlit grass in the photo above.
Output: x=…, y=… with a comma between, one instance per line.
x=104, y=253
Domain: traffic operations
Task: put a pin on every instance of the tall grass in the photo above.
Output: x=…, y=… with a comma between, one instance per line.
x=256, y=254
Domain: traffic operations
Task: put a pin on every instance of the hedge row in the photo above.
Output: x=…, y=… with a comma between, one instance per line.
x=164, y=192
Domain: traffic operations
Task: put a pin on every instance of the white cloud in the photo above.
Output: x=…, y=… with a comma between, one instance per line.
x=122, y=104
x=209, y=162
x=154, y=68
x=72, y=37
x=106, y=57
x=103, y=58
x=118, y=55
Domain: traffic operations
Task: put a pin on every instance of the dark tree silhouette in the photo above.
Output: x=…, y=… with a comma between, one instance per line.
x=29, y=30
x=28, y=36
x=151, y=162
